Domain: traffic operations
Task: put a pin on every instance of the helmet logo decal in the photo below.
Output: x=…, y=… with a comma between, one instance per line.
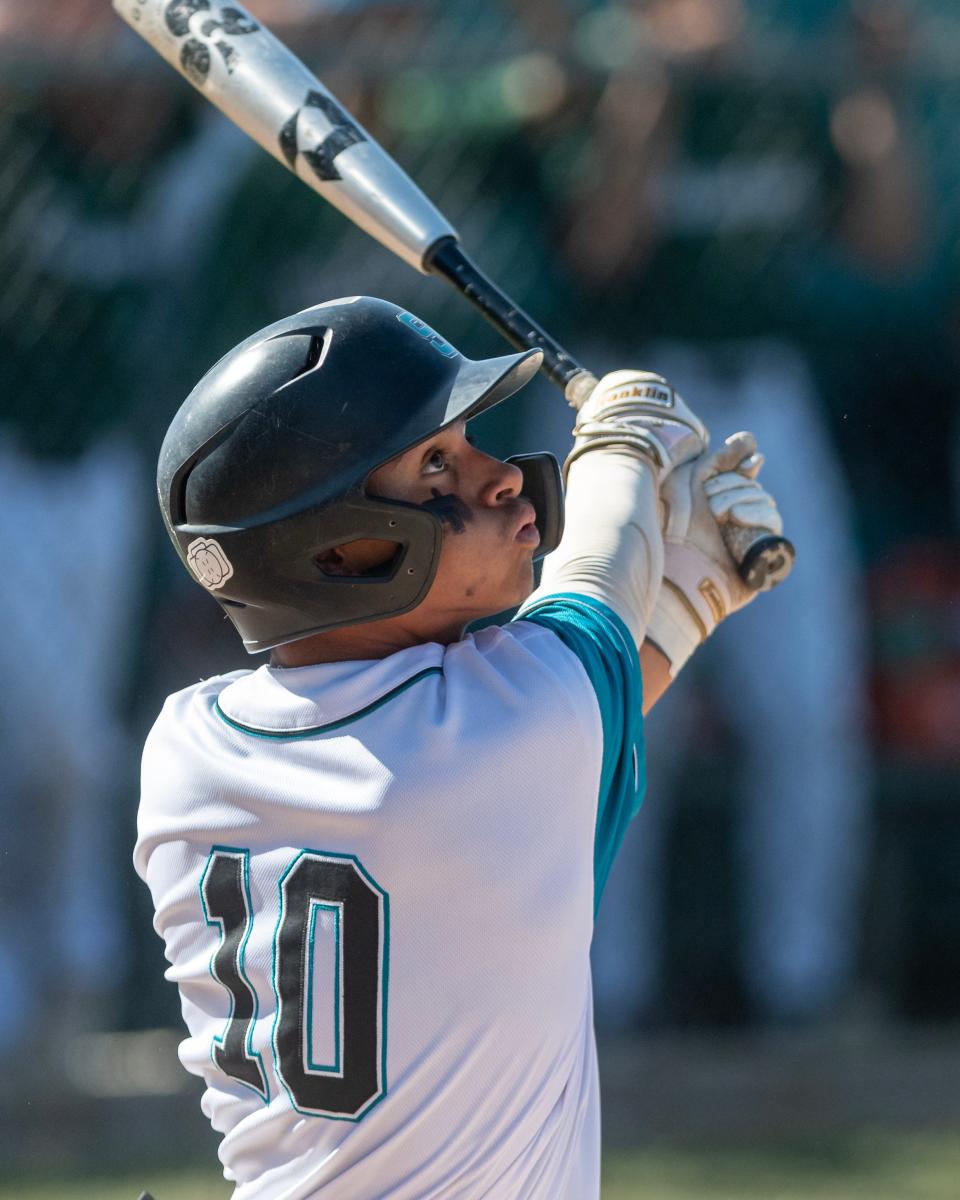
x=209, y=563
x=428, y=334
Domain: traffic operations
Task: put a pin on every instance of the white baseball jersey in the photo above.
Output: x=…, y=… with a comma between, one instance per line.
x=376, y=884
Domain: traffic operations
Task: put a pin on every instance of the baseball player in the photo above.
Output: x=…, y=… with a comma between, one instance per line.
x=375, y=861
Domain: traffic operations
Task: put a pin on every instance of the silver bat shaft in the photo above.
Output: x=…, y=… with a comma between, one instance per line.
x=262, y=87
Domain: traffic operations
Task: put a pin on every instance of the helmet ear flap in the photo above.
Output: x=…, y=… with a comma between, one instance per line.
x=543, y=487
x=279, y=559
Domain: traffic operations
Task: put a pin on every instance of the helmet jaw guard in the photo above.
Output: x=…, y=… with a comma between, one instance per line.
x=314, y=601
x=543, y=487
x=263, y=468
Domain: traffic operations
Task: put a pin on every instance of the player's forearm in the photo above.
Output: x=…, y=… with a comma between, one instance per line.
x=612, y=548
x=655, y=668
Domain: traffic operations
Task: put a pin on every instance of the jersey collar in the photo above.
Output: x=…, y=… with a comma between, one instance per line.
x=289, y=702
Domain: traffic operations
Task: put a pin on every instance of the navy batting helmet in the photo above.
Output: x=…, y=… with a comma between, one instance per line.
x=264, y=466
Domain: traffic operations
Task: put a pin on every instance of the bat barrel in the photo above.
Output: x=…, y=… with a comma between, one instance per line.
x=239, y=66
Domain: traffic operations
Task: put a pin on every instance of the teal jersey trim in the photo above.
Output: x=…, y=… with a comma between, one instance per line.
x=293, y=734
x=602, y=642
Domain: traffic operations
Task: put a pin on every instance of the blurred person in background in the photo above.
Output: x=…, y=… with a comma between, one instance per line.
x=711, y=187
x=775, y=230
x=108, y=189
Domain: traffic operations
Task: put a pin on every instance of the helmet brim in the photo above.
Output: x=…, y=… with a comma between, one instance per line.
x=482, y=384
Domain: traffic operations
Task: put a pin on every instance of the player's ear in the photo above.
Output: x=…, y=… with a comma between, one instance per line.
x=364, y=556
x=331, y=562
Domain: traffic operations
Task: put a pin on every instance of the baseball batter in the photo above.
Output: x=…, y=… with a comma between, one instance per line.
x=375, y=861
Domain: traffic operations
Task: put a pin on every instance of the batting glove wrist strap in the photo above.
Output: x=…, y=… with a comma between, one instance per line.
x=640, y=411
x=701, y=584
x=675, y=626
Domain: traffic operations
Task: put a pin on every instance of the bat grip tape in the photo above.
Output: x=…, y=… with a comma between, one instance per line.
x=446, y=259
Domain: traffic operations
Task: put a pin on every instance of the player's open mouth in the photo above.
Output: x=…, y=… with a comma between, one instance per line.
x=528, y=535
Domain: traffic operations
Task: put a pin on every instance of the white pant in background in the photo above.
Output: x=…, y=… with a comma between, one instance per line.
x=75, y=555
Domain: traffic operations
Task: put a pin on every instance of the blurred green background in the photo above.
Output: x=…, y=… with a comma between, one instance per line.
x=759, y=197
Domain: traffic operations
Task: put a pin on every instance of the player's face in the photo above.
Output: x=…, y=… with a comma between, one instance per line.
x=486, y=563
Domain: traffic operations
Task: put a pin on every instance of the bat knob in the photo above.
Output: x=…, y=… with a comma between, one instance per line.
x=767, y=561
x=578, y=388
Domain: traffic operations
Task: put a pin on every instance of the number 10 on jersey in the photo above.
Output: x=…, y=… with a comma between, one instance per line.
x=356, y=909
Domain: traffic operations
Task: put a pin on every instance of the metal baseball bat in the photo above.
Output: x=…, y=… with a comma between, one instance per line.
x=236, y=62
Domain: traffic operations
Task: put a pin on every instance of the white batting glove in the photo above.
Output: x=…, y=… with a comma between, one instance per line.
x=640, y=410
x=701, y=586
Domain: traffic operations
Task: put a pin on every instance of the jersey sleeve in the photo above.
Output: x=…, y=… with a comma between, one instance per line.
x=602, y=643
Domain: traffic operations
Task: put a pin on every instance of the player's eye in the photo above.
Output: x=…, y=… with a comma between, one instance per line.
x=435, y=462
x=441, y=458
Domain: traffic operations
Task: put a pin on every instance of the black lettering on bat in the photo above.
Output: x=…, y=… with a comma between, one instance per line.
x=231, y=22
x=195, y=55
x=288, y=140
x=179, y=12
x=195, y=61
x=344, y=133
x=228, y=54
x=323, y=155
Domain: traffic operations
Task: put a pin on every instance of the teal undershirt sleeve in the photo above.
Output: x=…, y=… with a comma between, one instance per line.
x=601, y=641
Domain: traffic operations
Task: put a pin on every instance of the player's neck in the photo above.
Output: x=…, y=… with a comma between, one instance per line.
x=377, y=639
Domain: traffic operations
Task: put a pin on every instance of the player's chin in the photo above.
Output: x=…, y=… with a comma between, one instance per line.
x=523, y=582
x=508, y=592
x=509, y=578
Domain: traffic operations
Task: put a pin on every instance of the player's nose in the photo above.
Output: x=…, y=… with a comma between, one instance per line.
x=502, y=481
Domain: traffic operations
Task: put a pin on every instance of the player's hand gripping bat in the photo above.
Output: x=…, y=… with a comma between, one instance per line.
x=266, y=90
